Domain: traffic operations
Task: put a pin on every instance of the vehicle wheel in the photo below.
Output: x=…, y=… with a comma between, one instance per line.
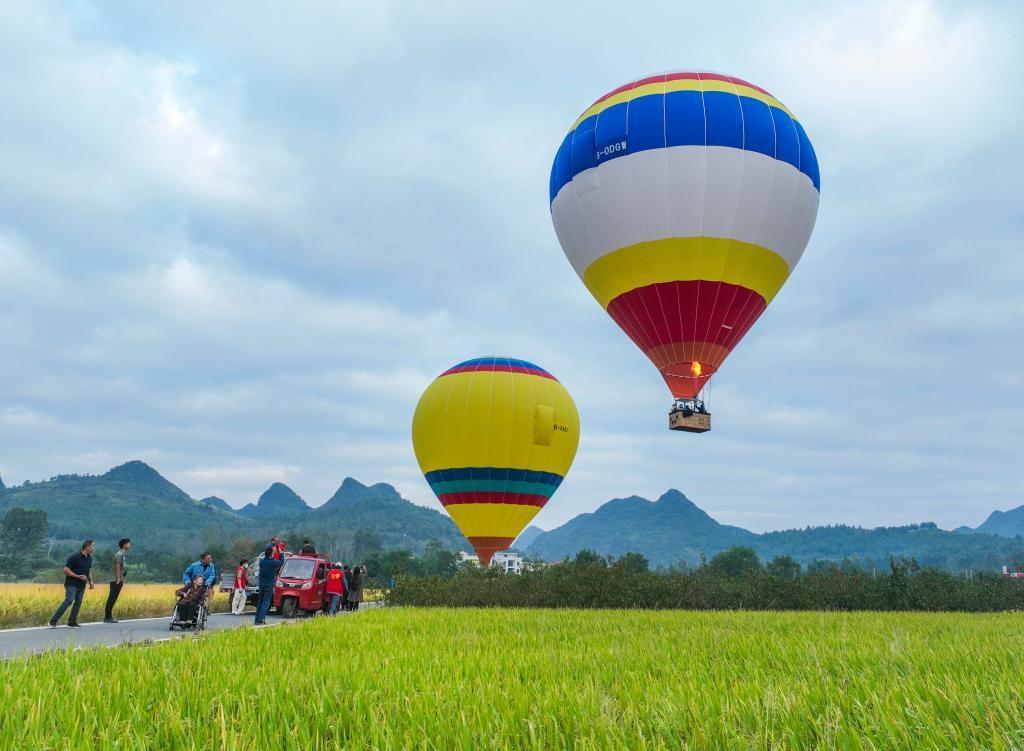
x=289, y=607
x=171, y=628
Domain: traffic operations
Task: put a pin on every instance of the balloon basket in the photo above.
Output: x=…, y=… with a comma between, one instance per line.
x=689, y=420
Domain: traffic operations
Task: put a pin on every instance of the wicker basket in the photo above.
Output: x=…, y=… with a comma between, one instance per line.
x=689, y=421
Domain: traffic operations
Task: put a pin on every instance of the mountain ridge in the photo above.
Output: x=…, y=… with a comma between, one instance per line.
x=1009, y=523
x=672, y=529
x=134, y=500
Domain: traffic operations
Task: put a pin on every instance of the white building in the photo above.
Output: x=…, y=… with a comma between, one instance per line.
x=509, y=561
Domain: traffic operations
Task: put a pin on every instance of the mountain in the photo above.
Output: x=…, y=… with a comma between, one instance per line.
x=134, y=500
x=1003, y=523
x=141, y=477
x=2, y=486
x=673, y=529
x=925, y=542
x=131, y=500
x=217, y=503
x=668, y=530
x=277, y=501
x=379, y=508
x=526, y=537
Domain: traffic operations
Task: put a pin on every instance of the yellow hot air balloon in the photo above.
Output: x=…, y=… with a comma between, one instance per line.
x=495, y=437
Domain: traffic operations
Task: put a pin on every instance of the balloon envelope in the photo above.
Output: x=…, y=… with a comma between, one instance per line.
x=683, y=201
x=494, y=437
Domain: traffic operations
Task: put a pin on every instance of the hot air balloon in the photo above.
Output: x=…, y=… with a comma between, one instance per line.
x=684, y=201
x=494, y=437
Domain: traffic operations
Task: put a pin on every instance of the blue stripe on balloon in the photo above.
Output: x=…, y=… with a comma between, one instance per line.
x=646, y=124
x=683, y=118
x=758, y=128
x=724, y=119
x=808, y=159
x=509, y=361
x=509, y=474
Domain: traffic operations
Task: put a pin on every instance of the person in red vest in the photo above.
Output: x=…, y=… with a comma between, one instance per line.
x=336, y=586
x=241, y=582
x=278, y=545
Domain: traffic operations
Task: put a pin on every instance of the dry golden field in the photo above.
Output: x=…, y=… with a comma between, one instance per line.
x=32, y=604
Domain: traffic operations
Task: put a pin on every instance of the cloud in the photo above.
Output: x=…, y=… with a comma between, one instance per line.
x=239, y=245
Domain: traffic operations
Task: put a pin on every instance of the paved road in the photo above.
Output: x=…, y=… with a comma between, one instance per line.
x=19, y=641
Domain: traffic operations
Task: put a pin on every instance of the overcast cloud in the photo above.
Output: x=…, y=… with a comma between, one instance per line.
x=238, y=242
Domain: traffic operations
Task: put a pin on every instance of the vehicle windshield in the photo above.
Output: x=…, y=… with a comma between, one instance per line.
x=298, y=568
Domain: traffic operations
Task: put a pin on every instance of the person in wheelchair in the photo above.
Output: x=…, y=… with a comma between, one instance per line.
x=190, y=597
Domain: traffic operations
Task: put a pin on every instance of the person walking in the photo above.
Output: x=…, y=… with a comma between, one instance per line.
x=269, y=566
x=203, y=567
x=120, y=570
x=77, y=574
x=336, y=587
x=355, y=592
x=241, y=582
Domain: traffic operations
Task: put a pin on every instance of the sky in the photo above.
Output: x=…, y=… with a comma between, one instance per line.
x=237, y=242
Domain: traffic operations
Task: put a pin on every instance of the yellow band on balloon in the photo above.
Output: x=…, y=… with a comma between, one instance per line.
x=489, y=419
x=684, y=84
x=491, y=519
x=679, y=259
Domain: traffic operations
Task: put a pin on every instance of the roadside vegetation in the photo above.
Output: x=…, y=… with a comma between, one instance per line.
x=733, y=580
x=538, y=679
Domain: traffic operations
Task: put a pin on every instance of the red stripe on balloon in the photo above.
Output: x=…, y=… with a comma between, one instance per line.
x=714, y=312
x=493, y=496
x=685, y=75
x=499, y=369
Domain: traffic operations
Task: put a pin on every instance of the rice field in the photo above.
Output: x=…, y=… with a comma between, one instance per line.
x=538, y=679
x=33, y=604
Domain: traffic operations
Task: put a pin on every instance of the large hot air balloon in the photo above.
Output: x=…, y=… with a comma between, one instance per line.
x=683, y=201
x=494, y=437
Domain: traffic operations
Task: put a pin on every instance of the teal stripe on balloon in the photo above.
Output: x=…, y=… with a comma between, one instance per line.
x=494, y=486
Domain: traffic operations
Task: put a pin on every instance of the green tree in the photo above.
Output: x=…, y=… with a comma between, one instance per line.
x=632, y=564
x=21, y=540
x=365, y=543
x=588, y=557
x=436, y=561
x=22, y=531
x=738, y=561
x=783, y=567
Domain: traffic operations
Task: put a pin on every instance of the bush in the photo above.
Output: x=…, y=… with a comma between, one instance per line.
x=729, y=583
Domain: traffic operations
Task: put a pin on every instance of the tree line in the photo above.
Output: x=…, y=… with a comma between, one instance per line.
x=27, y=553
x=732, y=580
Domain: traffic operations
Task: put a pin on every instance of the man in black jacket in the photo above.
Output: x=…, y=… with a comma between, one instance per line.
x=267, y=576
x=77, y=574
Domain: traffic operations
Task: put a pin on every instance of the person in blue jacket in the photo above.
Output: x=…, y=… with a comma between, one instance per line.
x=203, y=567
x=267, y=576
